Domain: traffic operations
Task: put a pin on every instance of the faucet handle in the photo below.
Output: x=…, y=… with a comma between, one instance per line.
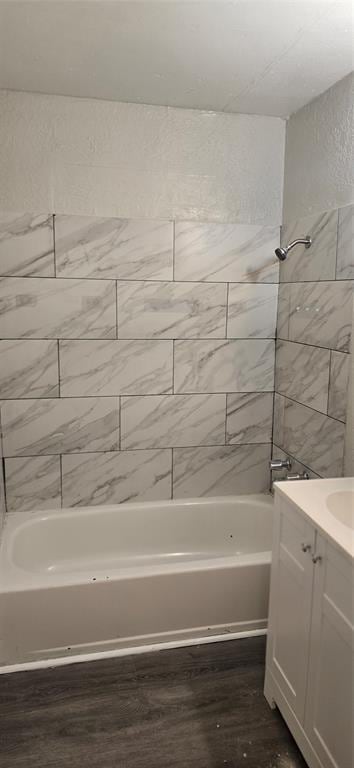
x=277, y=464
x=298, y=476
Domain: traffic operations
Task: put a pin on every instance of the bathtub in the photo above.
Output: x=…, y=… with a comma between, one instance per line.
x=88, y=582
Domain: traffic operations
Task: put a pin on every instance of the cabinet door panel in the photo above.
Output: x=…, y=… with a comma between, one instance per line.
x=329, y=709
x=291, y=596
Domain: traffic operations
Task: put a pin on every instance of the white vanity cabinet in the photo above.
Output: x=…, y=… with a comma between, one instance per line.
x=310, y=648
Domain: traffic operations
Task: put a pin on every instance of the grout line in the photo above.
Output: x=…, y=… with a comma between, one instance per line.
x=227, y=309
x=172, y=478
x=310, y=408
x=329, y=380
x=226, y=401
x=153, y=448
x=116, y=309
x=54, y=248
x=336, y=259
x=315, y=346
x=120, y=421
x=61, y=479
x=147, y=339
x=173, y=249
x=173, y=367
x=114, y=279
x=142, y=395
x=59, y=378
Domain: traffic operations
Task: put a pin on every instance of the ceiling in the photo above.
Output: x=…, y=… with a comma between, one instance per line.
x=266, y=57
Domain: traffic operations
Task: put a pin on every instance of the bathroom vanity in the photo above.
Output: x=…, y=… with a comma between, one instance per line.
x=310, y=648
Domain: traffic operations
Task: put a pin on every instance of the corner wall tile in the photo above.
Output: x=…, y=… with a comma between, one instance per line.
x=221, y=471
x=252, y=311
x=345, y=248
x=37, y=427
x=171, y=310
x=29, y=368
x=33, y=483
x=226, y=252
x=314, y=439
x=113, y=248
x=317, y=262
x=338, y=386
x=321, y=314
x=284, y=299
x=302, y=373
x=32, y=307
x=249, y=418
x=173, y=420
x=296, y=466
x=113, y=478
x=224, y=366
x=115, y=367
x=26, y=244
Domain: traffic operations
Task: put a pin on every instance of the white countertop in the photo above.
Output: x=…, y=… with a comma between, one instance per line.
x=317, y=500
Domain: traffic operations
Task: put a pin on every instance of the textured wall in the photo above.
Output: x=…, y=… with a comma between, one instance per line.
x=136, y=358
x=102, y=158
x=319, y=157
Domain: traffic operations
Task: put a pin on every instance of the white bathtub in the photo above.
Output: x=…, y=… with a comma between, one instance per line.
x=102, y=580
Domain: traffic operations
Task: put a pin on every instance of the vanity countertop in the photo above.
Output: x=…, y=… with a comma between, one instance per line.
x=328, y=504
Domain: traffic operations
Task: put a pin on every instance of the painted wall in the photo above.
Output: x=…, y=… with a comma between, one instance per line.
x=316, y=288
x=90, y=157
x=319, y=158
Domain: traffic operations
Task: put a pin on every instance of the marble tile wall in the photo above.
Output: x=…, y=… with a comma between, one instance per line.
x=137, y=359
x=313, y=343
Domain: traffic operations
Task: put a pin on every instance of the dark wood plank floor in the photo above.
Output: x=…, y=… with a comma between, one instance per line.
x=198, y=707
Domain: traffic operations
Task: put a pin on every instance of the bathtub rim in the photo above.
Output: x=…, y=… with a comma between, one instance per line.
x=14, y=578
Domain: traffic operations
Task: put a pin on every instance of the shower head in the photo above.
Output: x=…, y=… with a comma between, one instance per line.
x=281, y=253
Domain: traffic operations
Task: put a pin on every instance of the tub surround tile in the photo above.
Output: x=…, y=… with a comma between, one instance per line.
x=26, y=244
x=296, y=466
x=338, y=385
x=345, y=247
x=249, y=418
x=37, y=427
x=54, y=308
x=172, y=420
x=314, y=439
x=321, y=314
x=224, y=366
x=220, y=471
x=302, y=373
x=226, y=252
x=317, y=262
x=112, y=478
x=252, y=311
x=115, y=367
x=33, y=483
x=113, y=248
x=29, y=368
x=171, y=310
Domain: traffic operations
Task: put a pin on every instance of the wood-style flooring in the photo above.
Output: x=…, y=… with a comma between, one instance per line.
x=197, y=707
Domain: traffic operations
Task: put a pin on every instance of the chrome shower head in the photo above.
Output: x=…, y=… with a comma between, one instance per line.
x=281, y=253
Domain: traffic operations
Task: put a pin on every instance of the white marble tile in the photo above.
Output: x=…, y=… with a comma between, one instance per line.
x=317, y=262
x=171, y=310
x=321, y=314
x=33, y=483
x=338, y=385
x=283, y=317
x=115, y=367
x=167, y=421
x=112, y=478
x=113, y=248
x=220, y=471
x=296, y=466
x=226, y=252
x=312, y=438
x=26, y=244
x=224, y=366
x=302, y=373
x=28, y=368
x=32, y=307
x=345, y=248
x=252, y=311
x=37, y=427
x=249, y=417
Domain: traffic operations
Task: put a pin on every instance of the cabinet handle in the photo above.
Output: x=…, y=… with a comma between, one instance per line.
x=316, y=559
x=305, y=547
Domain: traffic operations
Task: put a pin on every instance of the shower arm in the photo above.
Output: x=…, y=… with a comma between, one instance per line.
x=306, y=241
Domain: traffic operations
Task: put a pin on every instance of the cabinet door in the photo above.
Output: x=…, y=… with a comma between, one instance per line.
x=330, y=699
x=290, y=606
